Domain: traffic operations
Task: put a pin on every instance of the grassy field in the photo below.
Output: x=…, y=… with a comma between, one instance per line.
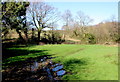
x=84, y=62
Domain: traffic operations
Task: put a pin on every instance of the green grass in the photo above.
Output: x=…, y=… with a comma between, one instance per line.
x=85, y=62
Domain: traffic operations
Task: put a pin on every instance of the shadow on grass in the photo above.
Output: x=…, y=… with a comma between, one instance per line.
x=17, y=56
x=73, y=66
x=7, y=53
x=75, y=61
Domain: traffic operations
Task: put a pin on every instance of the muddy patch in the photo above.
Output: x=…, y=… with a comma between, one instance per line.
x=42, y=68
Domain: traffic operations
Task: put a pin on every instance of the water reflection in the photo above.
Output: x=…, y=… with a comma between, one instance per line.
x=61, y=72
x=49, y=67
x=55, y=65
x=57, y=68
x=34, y=67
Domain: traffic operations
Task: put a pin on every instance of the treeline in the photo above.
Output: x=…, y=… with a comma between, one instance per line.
x=79, y=27
x=102, y=33
x=26, y=21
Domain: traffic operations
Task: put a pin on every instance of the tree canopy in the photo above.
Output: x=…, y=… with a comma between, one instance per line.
x=14, y=16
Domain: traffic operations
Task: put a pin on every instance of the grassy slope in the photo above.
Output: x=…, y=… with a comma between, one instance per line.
x=86, y=62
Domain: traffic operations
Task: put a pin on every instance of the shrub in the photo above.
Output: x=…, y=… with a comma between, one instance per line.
x=90, y=38
x=54, y=37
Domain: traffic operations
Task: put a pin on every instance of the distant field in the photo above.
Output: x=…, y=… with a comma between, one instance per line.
x=84, y=62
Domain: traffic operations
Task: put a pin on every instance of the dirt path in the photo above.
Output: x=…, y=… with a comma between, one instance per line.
x=72, y=39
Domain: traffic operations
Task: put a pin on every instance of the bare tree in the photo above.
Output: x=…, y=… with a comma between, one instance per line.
x=80, y=22
x=67, y=18
x=43, y=15
x=113, y=28
x=83, y=19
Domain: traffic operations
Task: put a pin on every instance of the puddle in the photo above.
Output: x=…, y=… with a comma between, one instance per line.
x=57, y=68
x=41, y=68
x=55, y=65
x=61, y=72
x=34, y=67
x=53, y=70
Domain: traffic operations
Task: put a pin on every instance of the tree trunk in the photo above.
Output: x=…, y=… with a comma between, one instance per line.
x=33, y=34
x=53, y=41
x=39, y=32
x=20, y=36
x=26, y=35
